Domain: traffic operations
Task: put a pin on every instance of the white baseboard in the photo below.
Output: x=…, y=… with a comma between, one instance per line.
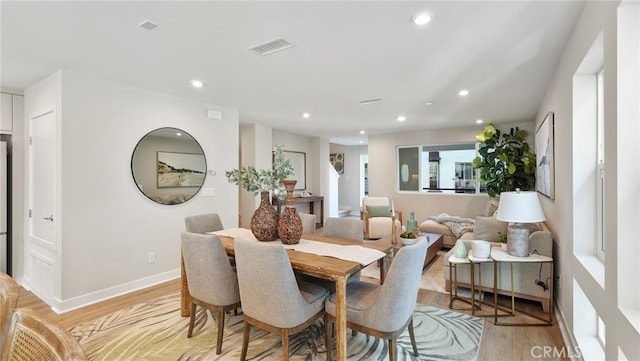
x=62, y=306
x=572, y=350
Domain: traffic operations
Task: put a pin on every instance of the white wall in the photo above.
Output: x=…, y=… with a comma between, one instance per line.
x=349, y=182
x=382, y=171
x=621, y=335
x=107, y=226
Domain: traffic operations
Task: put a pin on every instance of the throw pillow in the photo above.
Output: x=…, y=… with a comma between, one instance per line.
x=487, y=229
x=491, y=208
x=379, y=211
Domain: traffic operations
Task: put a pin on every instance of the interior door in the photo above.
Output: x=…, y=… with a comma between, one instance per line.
x=42, y=180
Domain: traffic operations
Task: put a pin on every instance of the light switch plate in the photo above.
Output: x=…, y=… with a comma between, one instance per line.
x=208, y=192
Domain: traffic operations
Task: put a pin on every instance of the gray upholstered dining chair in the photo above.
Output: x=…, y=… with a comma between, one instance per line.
x=203, y=223
x=308, y=222
x=9, y=293
x=212, y=282
x=344, y=228
x=272, y=298
x=383, y=311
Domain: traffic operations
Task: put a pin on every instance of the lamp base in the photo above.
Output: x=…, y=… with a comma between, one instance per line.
x=518, y=240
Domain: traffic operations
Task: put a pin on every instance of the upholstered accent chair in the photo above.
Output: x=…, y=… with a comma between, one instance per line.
x=343, y=228
x=383, y=311
x=272, y=298
x=308, y=222
x=9, y=293
x=203, y=223
x=212, y=282
x=28, y=336
x=376, y=215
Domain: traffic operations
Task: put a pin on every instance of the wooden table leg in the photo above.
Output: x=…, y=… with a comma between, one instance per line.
x=341, y=318
x=185, y=297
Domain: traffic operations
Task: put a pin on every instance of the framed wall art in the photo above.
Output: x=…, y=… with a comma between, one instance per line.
x=299, y=162
x=180, y=169
x=337, y=161
x=545, y=172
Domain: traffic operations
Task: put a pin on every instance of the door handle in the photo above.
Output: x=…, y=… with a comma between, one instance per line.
x=50, y=218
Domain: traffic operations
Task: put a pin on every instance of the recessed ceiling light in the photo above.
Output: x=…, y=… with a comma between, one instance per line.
x=429, y=103
x=179, y=134
x=361, y=142
x=420, y=19
x=401, y=118
x=306, y=115
x=479, y=121
x=463, y=92
x=362, y=132
x=197, y=83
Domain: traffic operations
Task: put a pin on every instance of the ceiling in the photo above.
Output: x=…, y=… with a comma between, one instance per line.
x=504, y=53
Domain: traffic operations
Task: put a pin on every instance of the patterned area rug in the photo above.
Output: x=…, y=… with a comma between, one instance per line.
x=155, y=331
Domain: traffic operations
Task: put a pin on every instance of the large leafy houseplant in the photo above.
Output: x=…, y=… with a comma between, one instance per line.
x=505, y=160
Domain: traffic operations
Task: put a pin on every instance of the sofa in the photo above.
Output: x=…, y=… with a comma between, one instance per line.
x=531, y=281
x=437, y=224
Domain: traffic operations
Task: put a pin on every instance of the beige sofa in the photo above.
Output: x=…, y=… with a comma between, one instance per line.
x=526, y=276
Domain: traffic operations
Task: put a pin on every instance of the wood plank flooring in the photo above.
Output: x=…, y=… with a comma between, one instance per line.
x=498, y=342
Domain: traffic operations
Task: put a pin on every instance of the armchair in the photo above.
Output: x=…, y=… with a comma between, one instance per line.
x=376, y=216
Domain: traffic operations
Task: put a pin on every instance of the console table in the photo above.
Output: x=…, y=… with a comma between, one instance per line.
x=311, y=200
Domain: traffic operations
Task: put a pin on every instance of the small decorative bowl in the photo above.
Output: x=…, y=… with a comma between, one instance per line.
x=408, y=241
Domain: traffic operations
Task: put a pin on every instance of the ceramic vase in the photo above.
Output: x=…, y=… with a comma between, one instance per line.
x=290, y=224
x=264, y=222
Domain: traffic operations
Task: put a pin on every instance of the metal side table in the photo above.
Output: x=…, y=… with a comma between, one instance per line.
x=499, y=256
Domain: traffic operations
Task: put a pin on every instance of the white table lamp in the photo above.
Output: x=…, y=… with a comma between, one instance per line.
x=518, y=208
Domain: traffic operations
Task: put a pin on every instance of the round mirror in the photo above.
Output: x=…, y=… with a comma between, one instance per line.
x=168, y=166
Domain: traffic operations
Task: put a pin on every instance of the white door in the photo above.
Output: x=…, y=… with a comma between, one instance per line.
x=42, y=180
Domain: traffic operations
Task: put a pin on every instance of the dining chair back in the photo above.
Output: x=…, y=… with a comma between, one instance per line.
x=28, y=336
x=211, y=280
x=203, y=223
x=9, y=293
x=308, y=222
x=386, y=310
x=272, y=298
x=343, y=227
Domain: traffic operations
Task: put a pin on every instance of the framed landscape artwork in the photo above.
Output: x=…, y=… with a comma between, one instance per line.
x=545, y=174
x=180, y=169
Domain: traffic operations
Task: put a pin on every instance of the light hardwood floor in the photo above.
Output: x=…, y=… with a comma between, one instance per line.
x=498, y=342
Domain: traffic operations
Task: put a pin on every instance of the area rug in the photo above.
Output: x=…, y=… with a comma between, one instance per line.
x=155, y=331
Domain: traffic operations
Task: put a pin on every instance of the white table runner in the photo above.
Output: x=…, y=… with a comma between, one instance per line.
x=354, y=253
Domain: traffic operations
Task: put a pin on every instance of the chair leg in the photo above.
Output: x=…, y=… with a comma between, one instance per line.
x=412, y=336
x=285, y=345
x=392, y=349
x=220, y=330
x=327, y=336
x=245, y=340
x=192, y=319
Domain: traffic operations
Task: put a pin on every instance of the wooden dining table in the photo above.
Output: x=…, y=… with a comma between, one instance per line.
x=324, y=267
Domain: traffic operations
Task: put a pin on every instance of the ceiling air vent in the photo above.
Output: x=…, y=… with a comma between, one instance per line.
x=370, y=101
x=270, y=46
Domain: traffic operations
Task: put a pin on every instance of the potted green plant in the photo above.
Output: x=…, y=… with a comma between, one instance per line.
x=503, y=240
x=264, y=222
x=505, y=160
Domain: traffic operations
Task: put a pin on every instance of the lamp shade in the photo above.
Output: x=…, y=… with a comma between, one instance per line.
x=519, y=207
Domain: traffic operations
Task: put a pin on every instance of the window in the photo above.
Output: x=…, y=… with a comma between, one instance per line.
x=446, y=168
x=600, y=172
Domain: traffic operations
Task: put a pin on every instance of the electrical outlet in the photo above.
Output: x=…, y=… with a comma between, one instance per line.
x=152, y=257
